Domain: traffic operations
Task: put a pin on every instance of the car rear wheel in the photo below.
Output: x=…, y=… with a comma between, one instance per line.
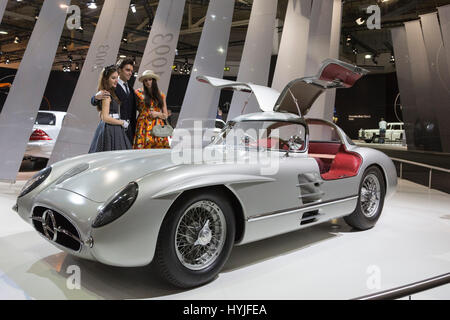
x=370, y=202
x=195, y=240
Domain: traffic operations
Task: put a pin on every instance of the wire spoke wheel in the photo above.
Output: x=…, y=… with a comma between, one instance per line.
x=200, y=235
x=370, y=195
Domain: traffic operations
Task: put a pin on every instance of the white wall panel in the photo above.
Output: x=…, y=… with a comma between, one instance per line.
x=201, y=101
x=291, y=59
x=255, y=61
x=25, y=96
x=82, y=119
x=440, y=77
x=159, y=52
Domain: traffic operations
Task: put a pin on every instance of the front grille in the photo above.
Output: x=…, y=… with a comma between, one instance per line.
x=55, y=227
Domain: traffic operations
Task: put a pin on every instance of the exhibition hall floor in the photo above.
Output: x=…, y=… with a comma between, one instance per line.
x=411, y=242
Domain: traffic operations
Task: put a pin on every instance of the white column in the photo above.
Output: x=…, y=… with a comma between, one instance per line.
x=255, y=61
x=420, y=70
x=291, y=59
x=403, y=68
x=323, y=43
x=159, y=52
x=79, y=126
x=444, y=18
x=421, y=77
x=440, y=77
x=201, y=101
x=25, y=96
x=3, y=4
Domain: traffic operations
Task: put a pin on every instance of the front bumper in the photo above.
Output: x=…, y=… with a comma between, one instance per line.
x=129, y=241
x=39, y=149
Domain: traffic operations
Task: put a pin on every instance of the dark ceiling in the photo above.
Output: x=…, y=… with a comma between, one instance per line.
x=19, y=20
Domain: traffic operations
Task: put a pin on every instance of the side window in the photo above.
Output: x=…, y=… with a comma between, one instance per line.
x=287, y=136
x=45, y=118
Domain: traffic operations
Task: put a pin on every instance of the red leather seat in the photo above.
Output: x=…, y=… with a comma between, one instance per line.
x=345, y=164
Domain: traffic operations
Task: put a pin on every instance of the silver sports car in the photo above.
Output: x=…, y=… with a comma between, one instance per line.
x=184, y=209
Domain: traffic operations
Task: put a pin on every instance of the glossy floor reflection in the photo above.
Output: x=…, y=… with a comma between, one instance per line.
x=411, y=242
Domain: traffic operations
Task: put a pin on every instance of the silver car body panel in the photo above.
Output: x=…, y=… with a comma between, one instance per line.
x=271, y=204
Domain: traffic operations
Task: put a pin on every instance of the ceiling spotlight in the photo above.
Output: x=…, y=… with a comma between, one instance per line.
x=133, y=8
x=368, y=56
x=70, y=58
x=77, y=67
x=360, y=21
x=7, y=61
x=64, y=48
x=392, y=60
x=16, y=40
x=125, y=38
x=92, y=5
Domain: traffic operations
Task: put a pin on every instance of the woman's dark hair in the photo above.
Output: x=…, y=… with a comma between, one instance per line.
x=103, y=83
x=154, y=94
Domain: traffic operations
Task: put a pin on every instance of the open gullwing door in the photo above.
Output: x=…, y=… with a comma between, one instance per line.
x=299, y=95
x=265, y=96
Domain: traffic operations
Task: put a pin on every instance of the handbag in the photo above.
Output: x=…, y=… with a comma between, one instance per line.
x=162, y=131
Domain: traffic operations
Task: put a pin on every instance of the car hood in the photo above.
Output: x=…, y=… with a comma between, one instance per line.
x=111, y=171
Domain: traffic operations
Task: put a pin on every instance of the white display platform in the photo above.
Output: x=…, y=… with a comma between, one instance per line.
x=411, y=242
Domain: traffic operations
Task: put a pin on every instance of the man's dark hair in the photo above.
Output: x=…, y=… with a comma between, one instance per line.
x=123, y=62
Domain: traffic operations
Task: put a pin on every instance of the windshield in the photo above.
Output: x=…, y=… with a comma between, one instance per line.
x=263, y=135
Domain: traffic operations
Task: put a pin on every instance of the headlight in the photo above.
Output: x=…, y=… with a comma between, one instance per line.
x=35, y=181
x=117, y=205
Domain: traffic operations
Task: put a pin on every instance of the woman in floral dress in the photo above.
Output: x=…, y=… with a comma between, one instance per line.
x=152, y=109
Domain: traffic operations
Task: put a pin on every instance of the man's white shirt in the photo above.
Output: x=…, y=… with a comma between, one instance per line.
x=124, y=86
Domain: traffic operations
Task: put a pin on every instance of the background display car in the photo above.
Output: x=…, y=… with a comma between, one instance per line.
x=394, y=132
x=133, y=208
x=45, y=132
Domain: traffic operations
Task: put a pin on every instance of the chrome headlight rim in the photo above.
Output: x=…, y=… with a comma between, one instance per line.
x=126, y=196
x=35, y=181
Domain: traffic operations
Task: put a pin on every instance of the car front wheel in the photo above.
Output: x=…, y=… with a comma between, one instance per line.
x=195, y=240
x=370, y=202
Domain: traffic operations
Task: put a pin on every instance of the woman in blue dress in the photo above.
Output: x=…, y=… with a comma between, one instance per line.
x=110, y=134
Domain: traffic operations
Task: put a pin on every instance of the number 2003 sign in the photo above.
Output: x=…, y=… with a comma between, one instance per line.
x=162, y=48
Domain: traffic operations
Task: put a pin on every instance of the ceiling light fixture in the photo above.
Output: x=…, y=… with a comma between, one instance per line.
x=92, y=5
x=360, y=21
x=133, y=8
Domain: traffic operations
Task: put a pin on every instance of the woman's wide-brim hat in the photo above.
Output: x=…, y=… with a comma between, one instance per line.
x=148, y=74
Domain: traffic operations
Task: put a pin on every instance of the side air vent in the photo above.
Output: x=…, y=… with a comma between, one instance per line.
x=309, y=217
x=309, y=184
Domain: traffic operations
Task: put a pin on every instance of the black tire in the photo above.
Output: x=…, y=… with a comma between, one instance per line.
x=166, y=261
x=360, y=219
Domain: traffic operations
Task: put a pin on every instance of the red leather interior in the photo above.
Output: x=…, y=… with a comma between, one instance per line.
x=324, y=147
x=334, y=71
x=345, y=164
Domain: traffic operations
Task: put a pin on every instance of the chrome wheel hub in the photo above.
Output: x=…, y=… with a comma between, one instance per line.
x=370, y=195
x=200, y=235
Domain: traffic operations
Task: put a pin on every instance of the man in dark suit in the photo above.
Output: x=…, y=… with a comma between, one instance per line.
x=128, y=107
